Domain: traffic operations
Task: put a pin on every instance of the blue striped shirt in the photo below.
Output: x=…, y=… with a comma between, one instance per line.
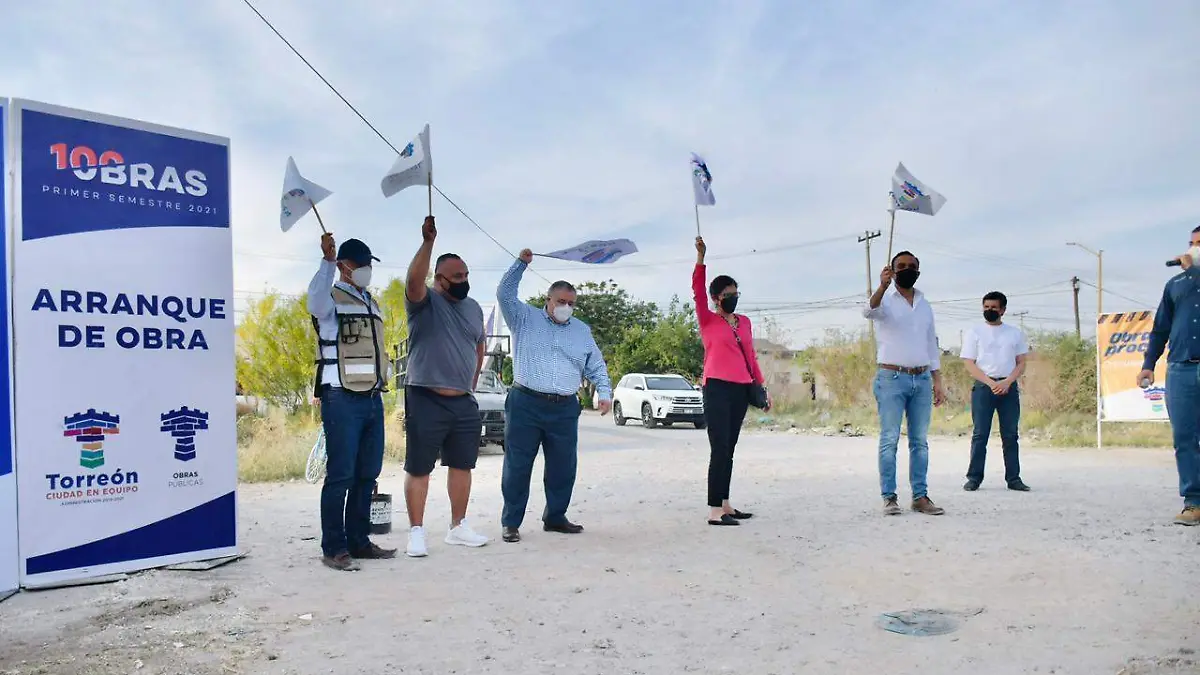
x=549, y=357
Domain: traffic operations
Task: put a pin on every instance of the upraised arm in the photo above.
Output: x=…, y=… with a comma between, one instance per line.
x=418, y=270
x=512, y=309
x=320, y=298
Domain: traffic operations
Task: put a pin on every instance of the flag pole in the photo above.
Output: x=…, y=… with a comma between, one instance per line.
x=430, y=188
x=892, y=228
x=697, y=208
x=318, y=215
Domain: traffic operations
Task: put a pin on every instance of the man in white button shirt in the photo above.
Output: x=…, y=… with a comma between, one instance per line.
x=908, y=382
x=994, y=354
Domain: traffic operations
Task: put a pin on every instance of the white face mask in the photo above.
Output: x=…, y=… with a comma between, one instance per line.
x=562, y=313
x=361, y=277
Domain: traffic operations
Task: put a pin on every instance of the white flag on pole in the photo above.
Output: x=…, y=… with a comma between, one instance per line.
x=702, y=182
x=910, y=194
x=414, y=166
x=299, y=195
x=596, y=252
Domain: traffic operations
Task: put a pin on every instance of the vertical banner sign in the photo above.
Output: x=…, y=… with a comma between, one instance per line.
x=1121, y=340
x=124, y=359
x=9, y=579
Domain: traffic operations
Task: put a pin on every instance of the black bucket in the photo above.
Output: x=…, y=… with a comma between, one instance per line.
x=381, y=512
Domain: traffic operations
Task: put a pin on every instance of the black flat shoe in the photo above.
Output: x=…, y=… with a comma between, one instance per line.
x=512, y=535
x=726, y=519
x=741, y=515
x=971, y=486
x=1018, y=485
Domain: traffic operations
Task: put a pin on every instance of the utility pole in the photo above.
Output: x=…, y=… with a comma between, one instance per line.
x=1021, y=317
x=866, y=239
x=1075, y=293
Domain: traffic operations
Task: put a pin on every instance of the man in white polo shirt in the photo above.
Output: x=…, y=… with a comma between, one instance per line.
x=994, y=354
x=908, y=383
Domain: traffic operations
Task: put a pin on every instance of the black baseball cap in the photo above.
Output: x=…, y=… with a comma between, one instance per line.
x=356, y=252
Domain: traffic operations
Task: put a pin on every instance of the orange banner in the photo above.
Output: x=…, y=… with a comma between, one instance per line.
x=1121, y=342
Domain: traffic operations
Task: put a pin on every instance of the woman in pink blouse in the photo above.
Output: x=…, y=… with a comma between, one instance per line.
x=732, y=381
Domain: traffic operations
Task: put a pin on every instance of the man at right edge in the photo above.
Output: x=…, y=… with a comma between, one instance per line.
x=1177, y=322
x=908, y=383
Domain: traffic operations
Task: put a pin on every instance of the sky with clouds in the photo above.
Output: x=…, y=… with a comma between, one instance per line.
x=557, y=122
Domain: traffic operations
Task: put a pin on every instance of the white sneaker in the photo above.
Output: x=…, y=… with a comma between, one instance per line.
x=463, y=535
x=416, y=543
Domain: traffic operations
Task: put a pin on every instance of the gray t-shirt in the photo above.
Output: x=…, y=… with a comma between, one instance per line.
x=443, y=337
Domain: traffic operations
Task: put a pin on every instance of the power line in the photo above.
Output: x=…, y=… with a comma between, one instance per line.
x=619, y=266
x=1119, y=295
x=373, y=128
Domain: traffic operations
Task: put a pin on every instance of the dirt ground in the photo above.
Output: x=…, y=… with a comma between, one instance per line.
x=1083, y=575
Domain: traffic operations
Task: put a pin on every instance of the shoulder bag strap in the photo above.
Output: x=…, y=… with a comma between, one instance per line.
x=742, y=349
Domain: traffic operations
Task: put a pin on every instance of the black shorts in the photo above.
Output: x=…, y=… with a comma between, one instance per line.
x=436, y=425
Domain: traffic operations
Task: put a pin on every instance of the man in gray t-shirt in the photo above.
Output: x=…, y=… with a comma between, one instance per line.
x=445, y=353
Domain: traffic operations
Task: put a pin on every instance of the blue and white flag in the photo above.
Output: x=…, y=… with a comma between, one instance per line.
x=910, y=194
x=299, y=196
x=596, y=252
x=414, y=166
x=702, y=182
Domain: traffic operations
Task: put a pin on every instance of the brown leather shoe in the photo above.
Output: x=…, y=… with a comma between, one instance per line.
x=1189, y=516
x=891, y=507
x=565, y=527
x=925, y=505
x=341, y=562
x=374, y=552
x=511, y=534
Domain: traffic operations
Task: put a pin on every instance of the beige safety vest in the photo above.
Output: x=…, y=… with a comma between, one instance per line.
x=361, y=356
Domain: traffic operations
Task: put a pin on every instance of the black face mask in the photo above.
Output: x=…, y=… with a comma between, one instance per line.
x=991, y=315
x=458, y=290
x=729, y=303
x=907, y=278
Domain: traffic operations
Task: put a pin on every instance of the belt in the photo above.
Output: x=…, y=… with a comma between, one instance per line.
x=904, y=369
x=553, y=398
x=330, y=387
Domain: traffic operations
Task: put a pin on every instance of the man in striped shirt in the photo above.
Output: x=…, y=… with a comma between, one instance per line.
x=551, y=353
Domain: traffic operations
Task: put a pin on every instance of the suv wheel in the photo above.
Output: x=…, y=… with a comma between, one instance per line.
x=618, y=416
x=648, y=420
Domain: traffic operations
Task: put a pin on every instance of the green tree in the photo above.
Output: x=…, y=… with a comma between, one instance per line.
x=671, y=345
x=395, y=317
x=609, y=310
x=277, y=350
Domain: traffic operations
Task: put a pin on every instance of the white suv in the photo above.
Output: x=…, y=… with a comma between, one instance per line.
x=657, y=399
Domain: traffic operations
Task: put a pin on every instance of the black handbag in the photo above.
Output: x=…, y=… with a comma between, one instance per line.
x=758, y=393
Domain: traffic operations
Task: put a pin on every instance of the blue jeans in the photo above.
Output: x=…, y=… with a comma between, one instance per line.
x=1183, y=407
x=900, y=395
x=531, y=422
x=985, y=405
x=354, y=457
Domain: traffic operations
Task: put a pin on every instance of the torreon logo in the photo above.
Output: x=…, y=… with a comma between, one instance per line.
x=112, y=169
x=183, y=424
x=89, y=429
x=1157, y=398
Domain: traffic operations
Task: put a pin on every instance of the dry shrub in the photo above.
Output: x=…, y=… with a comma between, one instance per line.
x=1058, y=392
x=275, y=447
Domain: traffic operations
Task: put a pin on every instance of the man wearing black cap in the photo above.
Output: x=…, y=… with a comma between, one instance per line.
x=441, y=418
x=351, y=373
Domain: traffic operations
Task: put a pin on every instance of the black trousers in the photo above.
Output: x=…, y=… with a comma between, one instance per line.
x=725, y=405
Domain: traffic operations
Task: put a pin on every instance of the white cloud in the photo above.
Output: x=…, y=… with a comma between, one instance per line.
x=558, y=122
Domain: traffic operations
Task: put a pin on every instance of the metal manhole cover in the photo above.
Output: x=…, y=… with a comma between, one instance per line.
x=923, y=622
